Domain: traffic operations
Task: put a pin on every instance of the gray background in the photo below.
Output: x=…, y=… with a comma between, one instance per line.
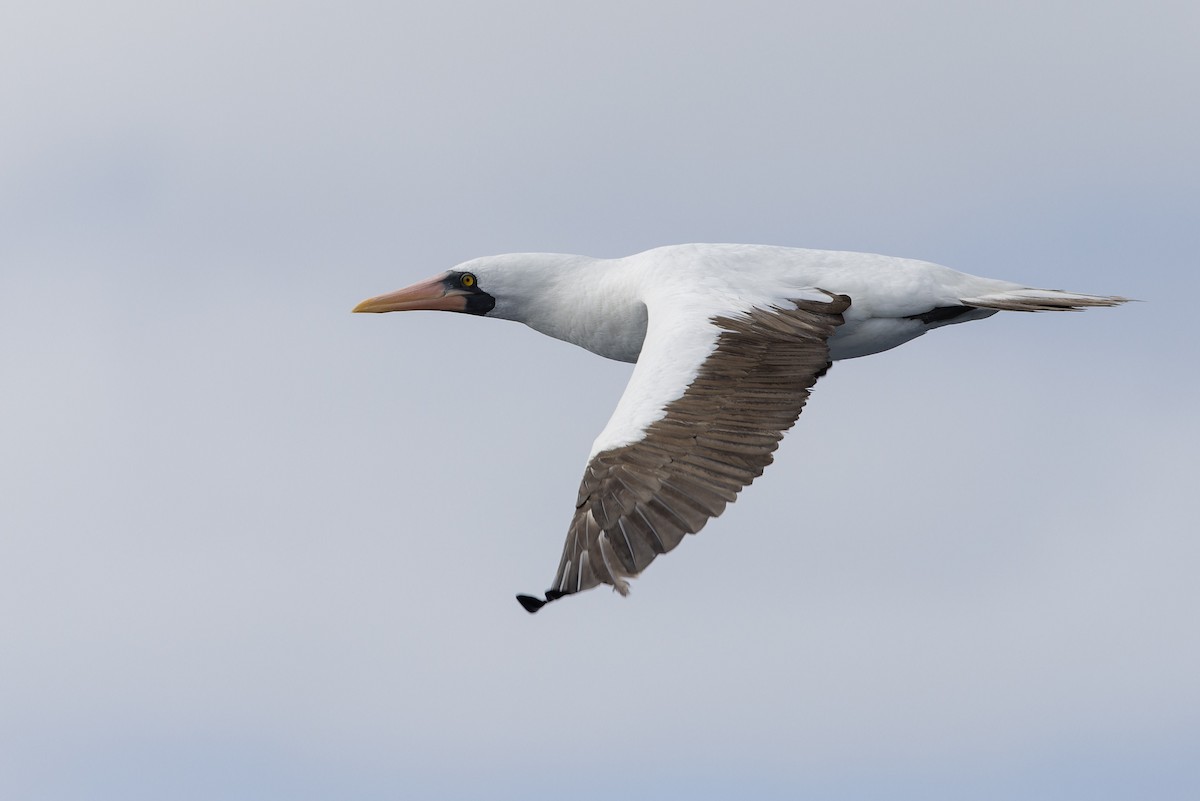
x=254, y=546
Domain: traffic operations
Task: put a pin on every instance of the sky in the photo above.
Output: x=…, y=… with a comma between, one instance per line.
x=253, y=546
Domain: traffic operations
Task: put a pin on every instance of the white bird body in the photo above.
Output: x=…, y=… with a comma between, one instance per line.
x=601, y=304
x=728, y=340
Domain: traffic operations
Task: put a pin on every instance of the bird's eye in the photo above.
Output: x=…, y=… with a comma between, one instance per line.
x=467, y=280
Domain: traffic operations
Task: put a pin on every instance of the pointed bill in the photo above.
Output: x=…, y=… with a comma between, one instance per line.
x=434, y=294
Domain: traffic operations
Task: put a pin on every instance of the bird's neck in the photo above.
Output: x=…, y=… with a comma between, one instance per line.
x=592, y=303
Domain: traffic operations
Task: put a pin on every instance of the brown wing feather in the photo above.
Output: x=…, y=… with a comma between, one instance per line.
x=639, y=500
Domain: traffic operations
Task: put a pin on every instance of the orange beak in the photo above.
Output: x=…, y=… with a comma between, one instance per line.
x=434, y=294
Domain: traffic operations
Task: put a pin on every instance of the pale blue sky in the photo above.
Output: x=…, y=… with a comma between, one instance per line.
x=254, y=547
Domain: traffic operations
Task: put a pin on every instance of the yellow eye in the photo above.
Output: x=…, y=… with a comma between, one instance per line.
x=467, y=280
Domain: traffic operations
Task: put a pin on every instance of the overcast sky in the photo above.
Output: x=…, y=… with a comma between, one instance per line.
x=255, y=547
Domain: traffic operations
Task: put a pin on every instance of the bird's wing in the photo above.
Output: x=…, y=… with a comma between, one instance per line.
x=707, y=404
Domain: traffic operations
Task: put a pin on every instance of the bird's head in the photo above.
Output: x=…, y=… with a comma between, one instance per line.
x=498, y=286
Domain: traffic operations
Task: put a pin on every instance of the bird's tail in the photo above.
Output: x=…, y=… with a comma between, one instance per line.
x=1037, y=300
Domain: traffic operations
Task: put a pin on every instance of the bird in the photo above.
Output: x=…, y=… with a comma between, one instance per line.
x=727, y=341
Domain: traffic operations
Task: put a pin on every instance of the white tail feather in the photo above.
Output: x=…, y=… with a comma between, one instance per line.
x=1036, y=300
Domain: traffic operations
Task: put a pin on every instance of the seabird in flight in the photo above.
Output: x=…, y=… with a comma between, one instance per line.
x=728, y=341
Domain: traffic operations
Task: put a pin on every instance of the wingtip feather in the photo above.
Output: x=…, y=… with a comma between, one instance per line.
x=530, y=604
